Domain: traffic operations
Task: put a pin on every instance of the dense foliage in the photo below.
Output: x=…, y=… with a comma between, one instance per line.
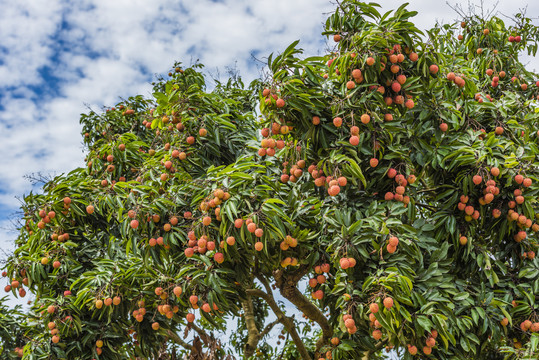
x=390, y=196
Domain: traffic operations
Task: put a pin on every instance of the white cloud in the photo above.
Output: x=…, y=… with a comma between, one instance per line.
x=26, y=45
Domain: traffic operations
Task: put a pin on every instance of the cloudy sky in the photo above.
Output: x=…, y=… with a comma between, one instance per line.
x=58, y=56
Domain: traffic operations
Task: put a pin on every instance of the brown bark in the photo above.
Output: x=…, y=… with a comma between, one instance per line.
x=288, y=322
x=287, y=287
x=252, y=331
x=196, y=350
x=203, y=335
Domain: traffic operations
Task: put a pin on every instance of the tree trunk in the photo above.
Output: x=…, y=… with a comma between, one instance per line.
x=252, y=330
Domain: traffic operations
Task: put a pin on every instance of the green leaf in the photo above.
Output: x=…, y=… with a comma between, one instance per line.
x=424, y=322
x=461, y=296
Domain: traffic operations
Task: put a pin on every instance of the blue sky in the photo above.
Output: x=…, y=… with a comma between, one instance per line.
x=58, y=55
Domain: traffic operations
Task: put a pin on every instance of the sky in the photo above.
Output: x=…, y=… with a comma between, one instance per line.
x=59, y=57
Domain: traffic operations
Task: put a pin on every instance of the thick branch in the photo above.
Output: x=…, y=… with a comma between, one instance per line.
x=283, y=319
x=172, y=335
x=291, y=277
x=287, y=287
x=252, y=331
x=203, y=335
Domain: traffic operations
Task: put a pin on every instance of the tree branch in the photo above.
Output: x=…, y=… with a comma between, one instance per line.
x=284, y=347
x=203, y=335
x=428, y=190
x=268, y=328
x=264, y=282
x=283, y=319
x=287, y=287
x=253, y=335
x=172, y=335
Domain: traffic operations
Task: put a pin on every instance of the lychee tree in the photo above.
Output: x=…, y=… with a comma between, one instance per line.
x=388, y=192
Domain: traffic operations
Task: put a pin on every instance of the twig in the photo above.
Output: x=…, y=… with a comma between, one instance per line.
x=268, y=328
x=426, y=206
x=284, y=347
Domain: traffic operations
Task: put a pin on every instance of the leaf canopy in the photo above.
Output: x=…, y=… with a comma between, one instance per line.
x=390, y=196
